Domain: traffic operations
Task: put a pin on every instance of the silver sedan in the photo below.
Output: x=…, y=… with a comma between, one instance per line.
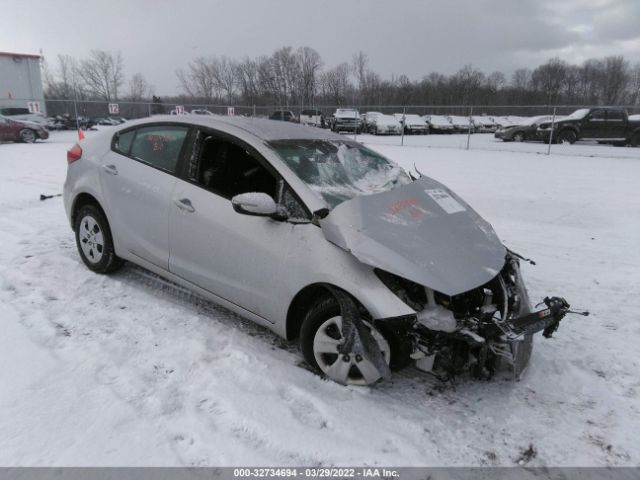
x=311, y=235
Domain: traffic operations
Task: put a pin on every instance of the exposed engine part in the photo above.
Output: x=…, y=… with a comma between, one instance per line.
x=477, y=329
x=437, y=318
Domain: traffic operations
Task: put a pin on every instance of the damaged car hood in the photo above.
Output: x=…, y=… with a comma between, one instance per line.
x=422, y=232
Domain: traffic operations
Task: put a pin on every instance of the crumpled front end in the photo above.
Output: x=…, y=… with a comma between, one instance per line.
x=439, y=257
x=471, y=331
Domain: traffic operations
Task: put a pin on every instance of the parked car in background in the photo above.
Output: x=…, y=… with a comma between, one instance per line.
x=106, y=121
x=525, y=130
x=413, y=124
x=368, y=120
x=385, y=125
x=12, y=130
x=461, y=124
x=175, y=112
x=634, y=118
x=312, y=117
x=484, y=124
x=19, y=113
x=201, y=111
x=603, y=124
x=283, y=116
x=439, y=124
x=346, y=120
x=501, y=121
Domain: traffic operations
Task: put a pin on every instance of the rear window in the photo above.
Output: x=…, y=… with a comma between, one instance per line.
x=616, y=115
x=159, y=146
x=122, y=141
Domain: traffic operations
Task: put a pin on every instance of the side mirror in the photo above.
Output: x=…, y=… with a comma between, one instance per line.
x=258, y=204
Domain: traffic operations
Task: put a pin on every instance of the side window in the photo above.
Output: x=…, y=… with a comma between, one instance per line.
x=159, y=145
x=616, y=115
x=597, y=115
x=292, y=204
x=228, y=169
x=122, y=141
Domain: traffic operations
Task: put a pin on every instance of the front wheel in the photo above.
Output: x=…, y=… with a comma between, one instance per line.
x=94, y=241
x=567, y=137
x=518, y=137
x=635, y=140
x=27, y=136
x=320, y=339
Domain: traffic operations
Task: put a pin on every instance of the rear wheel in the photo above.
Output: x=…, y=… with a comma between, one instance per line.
x=320, y=338
x=27, y=135
x=94, y=241
x=518, y=137
x=567, y=137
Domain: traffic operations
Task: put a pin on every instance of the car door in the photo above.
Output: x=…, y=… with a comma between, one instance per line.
x=240, y=258
x=616, y=125
x=138, y=179
x=5, y=129
x=595, y=125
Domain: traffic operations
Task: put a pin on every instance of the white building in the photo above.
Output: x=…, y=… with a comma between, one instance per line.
x=21, y=82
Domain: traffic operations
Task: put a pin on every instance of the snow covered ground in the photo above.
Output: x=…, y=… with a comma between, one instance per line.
x=131, y=370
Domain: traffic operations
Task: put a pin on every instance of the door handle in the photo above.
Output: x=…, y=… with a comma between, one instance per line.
x=110, y=169
x=184, y=204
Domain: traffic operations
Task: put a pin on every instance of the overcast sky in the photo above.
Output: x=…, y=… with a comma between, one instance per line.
x=409, y=37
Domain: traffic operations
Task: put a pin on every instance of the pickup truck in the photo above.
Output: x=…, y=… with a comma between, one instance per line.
x=312, y=117
x=603, y=124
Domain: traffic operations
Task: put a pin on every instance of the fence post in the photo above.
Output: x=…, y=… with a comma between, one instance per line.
x=75, y=109
x=469, y=129
x=404, y=121
x=355, y=126
x=553, y=123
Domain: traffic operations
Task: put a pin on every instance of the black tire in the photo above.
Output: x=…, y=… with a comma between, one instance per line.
x=518, y=137
x=567, y=136
x=105, y=260
x=635, y=140
x=327, y=308
x=27, y=135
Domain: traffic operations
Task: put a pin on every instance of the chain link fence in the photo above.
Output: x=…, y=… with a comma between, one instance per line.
x=471, y=136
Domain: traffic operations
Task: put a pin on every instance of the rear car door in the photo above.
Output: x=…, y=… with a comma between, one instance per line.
x=5, y=129
x=616, y=124
x=595, y=125
x=240, y=258
x=138, y=178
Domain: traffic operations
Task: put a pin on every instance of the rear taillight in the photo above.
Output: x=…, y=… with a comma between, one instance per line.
x=74, y=154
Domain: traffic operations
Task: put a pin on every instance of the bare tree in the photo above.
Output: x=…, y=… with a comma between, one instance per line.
x=197, y=80
x=496, y=81
x=103, y=74
x=248, y=80
x=139, y=88
x=521, y=78
x=634, y=85
x=309, y=64
x=335, y=83
x=614, y=79
x=224, y=73
x=64, y=82
x=549, y=79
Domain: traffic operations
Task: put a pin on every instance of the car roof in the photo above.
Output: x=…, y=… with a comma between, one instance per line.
x=262, y=128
